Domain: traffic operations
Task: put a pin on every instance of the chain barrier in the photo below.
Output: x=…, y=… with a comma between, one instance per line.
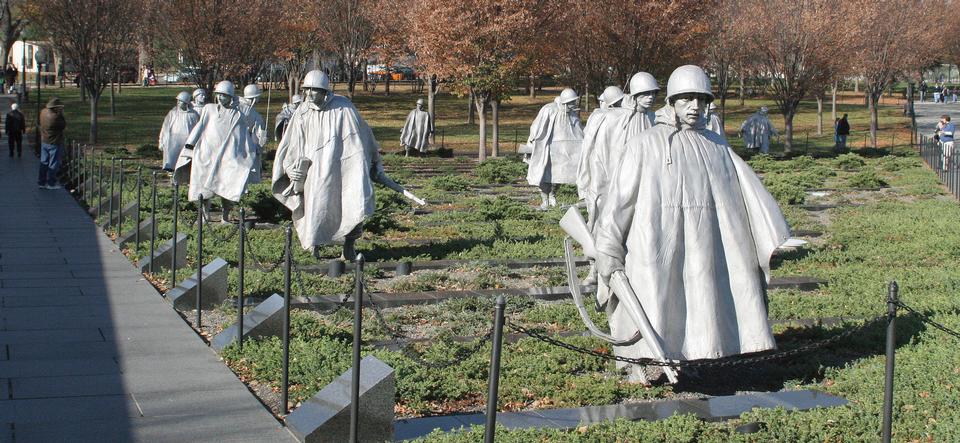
x=263, y=264
x=725, y=362
x=926, y=319
x=235, y=228
x=459, y=357
x=298, y=275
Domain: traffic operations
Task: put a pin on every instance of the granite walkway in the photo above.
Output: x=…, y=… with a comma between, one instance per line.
x=88, y=350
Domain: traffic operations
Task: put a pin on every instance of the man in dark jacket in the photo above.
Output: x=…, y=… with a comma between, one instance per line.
x=52, y=125
x=15, y=125
x=842, y=128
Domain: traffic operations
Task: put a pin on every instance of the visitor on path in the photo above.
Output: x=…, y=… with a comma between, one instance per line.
x=325, y=168
x=415, y=135
x=692, y=227
x=218, y=154
x=15, y=125
x=52, y=125
x=923, y=90
x=555, y=139
x=946, y=130
x=841, y=130
x=175, y=129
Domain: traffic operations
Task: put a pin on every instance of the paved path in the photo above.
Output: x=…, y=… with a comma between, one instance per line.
x=88, y=350
x=928, y=114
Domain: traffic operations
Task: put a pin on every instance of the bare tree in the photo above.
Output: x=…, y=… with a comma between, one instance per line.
x=725, y=45
x=796, y=44
x=347, y=31
x=11, y=25
x=93, y=34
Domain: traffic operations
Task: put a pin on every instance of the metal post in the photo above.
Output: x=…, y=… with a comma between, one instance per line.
x=241, y=261
x=113, y=169
x=199, y=260
x=443, y=137
x=891, y=350
x=288, y=263
x=100, y=188
x=357, y=338
x=176, y=215
x=494, y=381
x=136, y=232
x=153, y=223
x=119, y=228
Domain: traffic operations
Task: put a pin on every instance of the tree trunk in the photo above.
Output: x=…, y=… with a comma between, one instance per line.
x=366, y=78
x=788, y=133
x=586, y=98
x=470, y=109
x=833, y=100
x=94, y=102
x=351, y=80
x=386, y=85
x=495, y=110
x=431, y=93
x=820, y=114
x=83, y=90
x=856, y=84
x=742, y=86
x=481, y=111
x=533, y=85
x=113, y=100
x=872, y=105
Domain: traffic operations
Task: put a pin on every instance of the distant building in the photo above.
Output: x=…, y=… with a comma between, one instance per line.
x=29, y=56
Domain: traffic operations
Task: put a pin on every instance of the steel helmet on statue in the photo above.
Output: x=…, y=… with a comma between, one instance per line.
x=568, y=95
x=226, y=88
x=197, y=92
x=296, y=99
x=251, y=91
x=689, y=79
x=184, y=96
x=611, y=95
x=316, y=79
x=643, y=82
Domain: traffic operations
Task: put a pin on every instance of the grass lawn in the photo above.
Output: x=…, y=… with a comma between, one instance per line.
x=894, y=221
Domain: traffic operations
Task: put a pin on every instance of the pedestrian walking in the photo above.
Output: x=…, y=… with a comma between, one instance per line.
x=923, y=90
x=841, y=130
x=15, y=126
x=52, y=125
x=946, y=139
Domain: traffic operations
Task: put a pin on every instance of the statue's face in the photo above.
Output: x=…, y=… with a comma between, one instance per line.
x=645, y=99
x=571, y=106
x=314, y=95
x=690, y=107
x=224, y=100
x=201, y=98
x=252, y=101
x=419, y=106
x=181, y=105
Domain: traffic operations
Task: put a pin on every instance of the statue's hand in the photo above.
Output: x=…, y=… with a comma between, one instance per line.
x=607, y=265
x=295, y=174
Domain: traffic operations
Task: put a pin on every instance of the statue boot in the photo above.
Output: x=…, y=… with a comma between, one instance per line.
x=552, y=199
x=227, y=207
x=544, y=197
x=349, y=250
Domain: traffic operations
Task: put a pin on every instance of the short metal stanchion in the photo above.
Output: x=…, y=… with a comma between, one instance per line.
x=241, y=264
x=100, y=188
x=287, y=265
x=176, y=215
x=892, y=302
x=494, y=381
x=153, y=223
x=199, y=259
x=136, y=219
x=357, y=339
x=443, y=137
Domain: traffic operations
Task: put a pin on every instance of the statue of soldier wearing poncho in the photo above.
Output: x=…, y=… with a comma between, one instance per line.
x=199, y=99
x=176, y=128
x=713, y=121
x=257, y=127
x=555, y=139
x=284, y=116
x=219, y=153
x=416, y=131
x=325, y=168
x=591, y=171
x=691, y=228
x=757, y=130
x=636, y=118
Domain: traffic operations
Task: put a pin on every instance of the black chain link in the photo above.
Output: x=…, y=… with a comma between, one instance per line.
x=263, y=264
x=298, y=275
x=397, y=337
x=926, y=318
x=222, y=239
x=725, y=362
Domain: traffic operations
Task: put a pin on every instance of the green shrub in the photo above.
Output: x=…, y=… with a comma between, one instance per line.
x=389, y=203
x=849, y=162
x=149, y=151
x=866, y=178
x=268, y=209
x=503, y=208
x=763, y=163
x=501, y=170
x=786, y=191
x=450, y=183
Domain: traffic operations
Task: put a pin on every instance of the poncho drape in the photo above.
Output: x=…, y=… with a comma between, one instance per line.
x=416, y=130
x=555, y=138
x=696, y=229
x=223, y=153
x=174, y=132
